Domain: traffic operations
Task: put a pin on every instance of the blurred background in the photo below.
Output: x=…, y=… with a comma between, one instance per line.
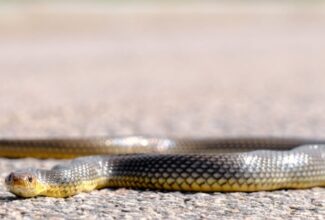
x=183, y=68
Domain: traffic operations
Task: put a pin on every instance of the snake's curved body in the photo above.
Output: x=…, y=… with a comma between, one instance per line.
x=168, y=164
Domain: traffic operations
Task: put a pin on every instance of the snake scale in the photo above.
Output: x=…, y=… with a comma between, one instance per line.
x=184, y=164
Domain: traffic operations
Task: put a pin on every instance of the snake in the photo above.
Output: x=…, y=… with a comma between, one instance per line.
x=167, y=163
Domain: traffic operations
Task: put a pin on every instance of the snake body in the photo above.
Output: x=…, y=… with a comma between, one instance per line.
x=242, y=164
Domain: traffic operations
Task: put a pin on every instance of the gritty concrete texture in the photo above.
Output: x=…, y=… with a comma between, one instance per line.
x=165, y=69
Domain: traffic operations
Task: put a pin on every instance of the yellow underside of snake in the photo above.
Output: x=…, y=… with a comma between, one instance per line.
x=206, y=165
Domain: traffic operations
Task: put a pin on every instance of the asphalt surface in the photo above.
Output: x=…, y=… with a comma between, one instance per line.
x=211, y=70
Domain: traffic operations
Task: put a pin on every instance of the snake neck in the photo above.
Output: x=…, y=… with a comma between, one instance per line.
x=81, y=175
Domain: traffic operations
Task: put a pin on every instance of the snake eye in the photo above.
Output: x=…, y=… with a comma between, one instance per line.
x=30, y=179
x=10, y=177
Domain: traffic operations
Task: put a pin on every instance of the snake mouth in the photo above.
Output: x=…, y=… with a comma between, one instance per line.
x=20, y=191
x=13, y=180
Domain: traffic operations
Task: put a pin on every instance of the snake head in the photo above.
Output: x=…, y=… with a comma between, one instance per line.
x=24, y=183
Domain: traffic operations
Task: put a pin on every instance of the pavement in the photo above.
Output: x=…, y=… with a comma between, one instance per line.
x=207, y=70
